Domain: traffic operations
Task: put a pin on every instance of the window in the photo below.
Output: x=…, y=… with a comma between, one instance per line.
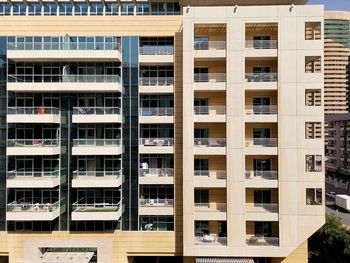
x=201, y=228
x=19, y=9
x=81, y=9
x=158, y=8
x=5, y=9
x=143, y=9
x=313, y=130
x=201, y=197
x=314, y=196
x=34, y=9
x=201, y=167
x=111, y=9
x=313, y=97
x=65, y=9
x=313, y=64
x=50, y=9
x=313, y=31
x=263, y=229
x=127, y=9
x=96, y=9
x=173, y=8
x=313, y=163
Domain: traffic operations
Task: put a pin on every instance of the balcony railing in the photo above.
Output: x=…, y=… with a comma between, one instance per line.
x=157, y=142
x=32, y=142
x=210, y=240
x=63, y=46
x=210, y=77
x=86, y=174
x=25, y=206
x=156, y=202
x=264, y=142
x=209, y=110
x=261, y=77
x=64, y=78
x=157, y=172
x=96, y=110
x=96, y=142
x=103, y=206
x=263, y=208
x=219, y=174
x=211, y=207
x=267, y=175
x=157, y=50
x=262, y=241
x=33, y=110
x=210, y=45
x=210, y=142
x=261, y=44
x=29, y=174
x=261, y=109
x=161, y=111
x=154, y=81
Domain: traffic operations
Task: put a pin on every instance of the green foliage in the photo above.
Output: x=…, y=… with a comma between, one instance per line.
x=330, y=244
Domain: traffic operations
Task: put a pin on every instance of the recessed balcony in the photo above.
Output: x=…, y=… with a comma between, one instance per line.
x=156, y=206
x=156, y=176
x=261, y=146
x=210, y=113
x=210, y=146
x=261, y=113
x=96, y=147
x=104, y=211
x=205, y=49
x=262, y=212
x=86, y=179
x=261, y=48
x=96, y=115
x=209, y=178
x=261, y=39
x=210, y=233
x=258, y=179
x=157, y=115
x=156, y=145
x=210, y=211
x=33, y=147
x=262, y=241
x=210, y=240
x=156, y=54
x=261, y=81
x=33, y=179
x=265, y=233
x=210, y=81
x=33, y=115
x=156, y=85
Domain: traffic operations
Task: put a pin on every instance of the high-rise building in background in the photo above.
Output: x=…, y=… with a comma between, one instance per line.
x=160, y=131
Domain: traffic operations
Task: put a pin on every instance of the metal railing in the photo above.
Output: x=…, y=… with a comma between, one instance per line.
x=24, y=206
x=32, y=110
x=210, y=240
x=103, y=206
x=29, y=174
x=64, y=78
x=156, y=202
x=261, y=77
x=262, y=241
x=161, y=111
x=157, y=50
x=157, y=172
x=211, y=207
x=262, y=208
x=210, y=142
x=261, y=109
x=219, y=174
x=32, y=142
x=264, y=142
x=261, y=44
x=157, y=141
x=209, y=110
x=63, y=46
x=86, y=174
x=210, y=77
x=156, y=81
x=210, y=45
x=96, y=142
x=267, y=175
x=96, y=110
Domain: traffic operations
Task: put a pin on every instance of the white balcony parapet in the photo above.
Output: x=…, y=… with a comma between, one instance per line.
x=96, y=142
x=156, y=176
x=63, y=46
x=210, y=77
x=33, y=179
x=64, y=78
x=210, y=45
x=21, y=206
x=158, y=142
x=262, y=208
x=261, y=44
x=210, y=240
x=19, y=174
x=161, y=111
x=261, y=109
x=210, y=142
x=262, y=241
x=219, y=174
x=156, y=50
x=96, y=174
x=96, y=110
x=210, y=207
x=32, y=142
x=33, y=110
x=261, y=77
x=80, y=206
x=156, y=202
x=104, y=210
x=261, y=142
x=157, y=172
x=261, y=175
x=156, y=81
x=209, y=110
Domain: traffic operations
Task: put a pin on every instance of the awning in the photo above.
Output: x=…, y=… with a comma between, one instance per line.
x=224, y=260
x=67, y=257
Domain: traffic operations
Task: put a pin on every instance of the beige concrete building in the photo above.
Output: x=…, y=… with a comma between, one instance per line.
x=160, y=131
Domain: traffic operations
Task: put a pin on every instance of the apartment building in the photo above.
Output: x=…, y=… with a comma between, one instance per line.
x=160, y=131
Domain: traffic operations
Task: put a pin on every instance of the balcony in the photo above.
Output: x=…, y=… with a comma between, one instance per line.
x=209, y=50
x=27, y=211
x=96, y=147
x=158, y=85
x=33, y=179
x=156, y=176
x=261, y=81
x=64, y=51
x=33, y=115
x=156, y=145
x=261, y=179
x=261, y=146
x=209, y=81
x=86, y=179
x=210, y=113
x=33, y=147
x=210, y=240
x=262, y=241
x=261, y=113
x=156, y=55
x=261, y=48
x=157, y=115
x=210, y=146
x=104, y=211
x=210, y=211
x=62, y=83
x=160, y=207
x=96, y=115
x=261, y=212
x=209, y=178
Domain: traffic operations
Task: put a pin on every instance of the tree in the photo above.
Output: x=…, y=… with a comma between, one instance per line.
x=330, y=244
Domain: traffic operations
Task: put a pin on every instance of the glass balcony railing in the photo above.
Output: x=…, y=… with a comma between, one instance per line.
x=156, y=202
x=157, y=172
x=102, y=174
x=261, y=44
x=210, y=45
x=210, y=142
x=157, y=50
x=209, y=110
x=210, y=240
x=33, y=110
x=264, y=142
x=261, y=109
x=103, y=206
x=161, y=111
x=211, y=207
x=96, y=142
x=209, y=77
x=63, y=46
x=263, y=208
x=265, y=175
x=32, y=142
x=262, y=241
x=20, y=173
x=218, y=174
x=157, y=141
x=156, y=81
x=22, y=205
x=96, y=110
x=261, y=77
x=64, y=78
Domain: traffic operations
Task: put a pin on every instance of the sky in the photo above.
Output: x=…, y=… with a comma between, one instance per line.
x=333, y=4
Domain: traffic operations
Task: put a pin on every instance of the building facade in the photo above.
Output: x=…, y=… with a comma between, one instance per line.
x=160, y=131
